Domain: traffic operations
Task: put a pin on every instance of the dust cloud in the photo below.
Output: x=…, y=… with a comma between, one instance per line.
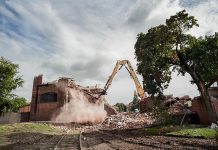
x=80, y=110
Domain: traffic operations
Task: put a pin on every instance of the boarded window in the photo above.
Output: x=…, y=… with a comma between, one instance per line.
x=48, y=97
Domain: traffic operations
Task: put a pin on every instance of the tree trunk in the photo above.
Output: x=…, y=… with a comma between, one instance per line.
x=206, y=100
x=205, y=97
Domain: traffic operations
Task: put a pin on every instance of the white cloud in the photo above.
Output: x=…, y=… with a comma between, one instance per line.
x=207, y=15
x=83, y=39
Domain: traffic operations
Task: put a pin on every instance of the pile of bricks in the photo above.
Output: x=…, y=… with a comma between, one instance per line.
x=118, y=121
x=127, y=120
x=176, y=104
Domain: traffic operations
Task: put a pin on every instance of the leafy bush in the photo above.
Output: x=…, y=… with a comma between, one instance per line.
x=121, y=107
x=135, y=102
x=9, y=81
x=17, y=103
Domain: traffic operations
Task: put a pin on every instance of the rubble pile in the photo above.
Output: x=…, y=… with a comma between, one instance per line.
x=130, y=120
x=127, y=120
x=118, y=121
x=176, y=104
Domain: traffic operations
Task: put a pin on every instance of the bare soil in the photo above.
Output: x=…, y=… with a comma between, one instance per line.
x=137, y=139
x=105, y=140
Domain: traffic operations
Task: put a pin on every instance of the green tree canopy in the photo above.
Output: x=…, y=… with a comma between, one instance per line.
x=121, y=107
x=135, y=102
x=9, y=81
x=170, y=46
x=17, y=103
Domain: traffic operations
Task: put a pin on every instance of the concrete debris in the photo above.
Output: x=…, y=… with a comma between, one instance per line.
x=213, y=126
x=177, y=105
x=127, y=120
x=118, y=121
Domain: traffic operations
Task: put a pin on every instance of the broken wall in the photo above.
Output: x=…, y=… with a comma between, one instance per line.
x=199, y=108
x=45, y=111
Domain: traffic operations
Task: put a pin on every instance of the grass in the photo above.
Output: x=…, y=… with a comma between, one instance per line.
x=195, y=132
x=152, y=131
x=216, y=135
x=26, y=127
x=187, y=131
x=161, y=129
x=3, y=140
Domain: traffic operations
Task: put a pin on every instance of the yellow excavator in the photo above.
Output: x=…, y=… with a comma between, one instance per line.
x=128, y=66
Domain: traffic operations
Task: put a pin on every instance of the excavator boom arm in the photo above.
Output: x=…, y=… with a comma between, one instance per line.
x=118, y=66
x=139, y=88
x=111, y=77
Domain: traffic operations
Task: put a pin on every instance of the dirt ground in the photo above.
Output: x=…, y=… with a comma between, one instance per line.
x=104, y=140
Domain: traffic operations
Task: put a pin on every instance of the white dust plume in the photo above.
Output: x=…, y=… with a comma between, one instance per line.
x=80, y=110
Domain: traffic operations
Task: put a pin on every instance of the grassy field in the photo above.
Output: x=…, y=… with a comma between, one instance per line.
x=171, y=130
x=26, y=127
x=196, y=132
x=188, y=131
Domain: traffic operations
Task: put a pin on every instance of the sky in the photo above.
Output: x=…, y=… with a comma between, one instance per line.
x=83, y=39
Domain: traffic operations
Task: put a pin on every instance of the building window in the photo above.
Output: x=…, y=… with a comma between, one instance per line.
x=48, y=97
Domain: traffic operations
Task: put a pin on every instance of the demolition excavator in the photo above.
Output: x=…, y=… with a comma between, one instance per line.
x=129, y=68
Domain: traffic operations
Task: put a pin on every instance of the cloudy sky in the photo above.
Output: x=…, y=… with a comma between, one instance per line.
x=84, y=38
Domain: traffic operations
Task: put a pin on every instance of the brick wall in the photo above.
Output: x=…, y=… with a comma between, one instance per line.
x=145, y=105
x=46, y=111
x=199, y=108
x=33, y=105
x=215, y=105
x=109, y=110
x=24, y=109
x=213, y=91
x=10, y=117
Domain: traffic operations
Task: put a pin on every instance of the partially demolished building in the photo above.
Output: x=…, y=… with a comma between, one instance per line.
x=48, y=98
x=199, y=108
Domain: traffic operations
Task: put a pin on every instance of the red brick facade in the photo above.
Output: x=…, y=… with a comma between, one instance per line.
x=43, y=111
x=46, y=111
x=24, y=109
x=145, y=105
x=199, y=108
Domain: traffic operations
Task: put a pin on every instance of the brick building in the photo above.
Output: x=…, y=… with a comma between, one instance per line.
x=47, y=99
x=199, y=108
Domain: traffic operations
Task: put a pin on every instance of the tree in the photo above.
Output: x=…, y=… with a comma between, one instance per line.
x=17, y=103
x=121, y=107
x=135, y=102
x=9, y=81
x=169, y=47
